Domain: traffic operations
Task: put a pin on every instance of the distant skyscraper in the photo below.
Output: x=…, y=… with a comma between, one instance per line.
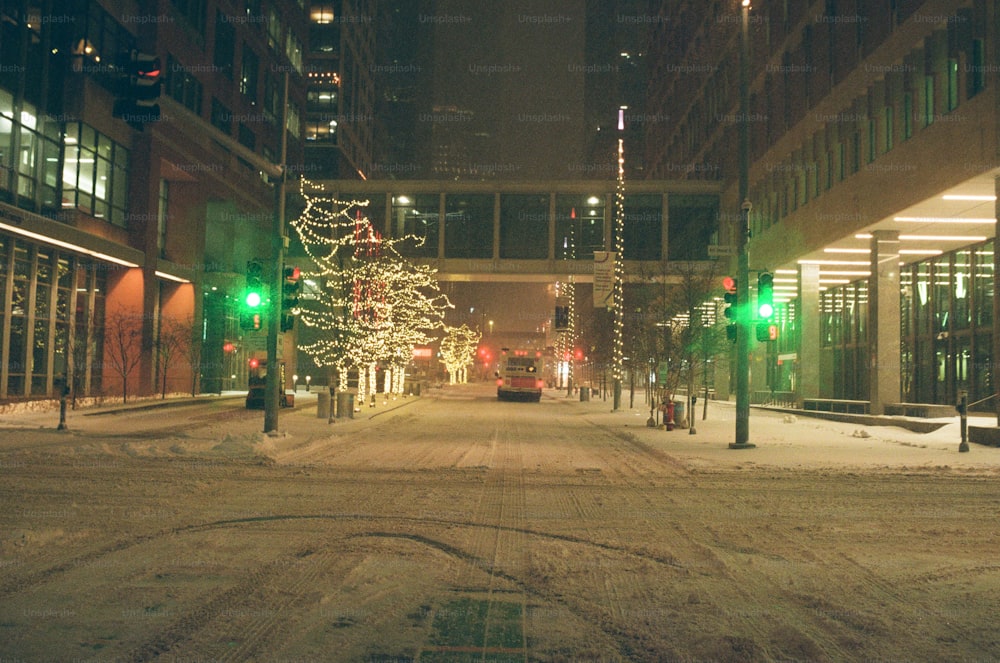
x=518, y=68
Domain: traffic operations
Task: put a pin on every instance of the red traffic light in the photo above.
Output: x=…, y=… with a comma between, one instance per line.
x=228, y=347
x=254, y=363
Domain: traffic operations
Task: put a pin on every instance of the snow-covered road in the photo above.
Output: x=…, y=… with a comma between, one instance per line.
x=453, y=527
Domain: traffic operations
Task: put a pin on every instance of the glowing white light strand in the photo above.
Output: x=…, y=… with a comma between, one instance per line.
x=619, y=271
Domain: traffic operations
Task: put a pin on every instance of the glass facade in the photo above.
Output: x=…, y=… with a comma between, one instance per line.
x=946, y=318
x=47, y=319
x=538, y=225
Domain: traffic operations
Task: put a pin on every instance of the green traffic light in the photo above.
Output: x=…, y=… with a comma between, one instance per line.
x=253, y=299
x=765, y=310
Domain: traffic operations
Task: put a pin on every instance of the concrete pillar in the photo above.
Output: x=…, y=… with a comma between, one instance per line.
x=808, y=360
x=883, y=321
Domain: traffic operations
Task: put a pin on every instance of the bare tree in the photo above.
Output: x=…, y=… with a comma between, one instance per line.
x=675, y=323
x=172, y=341
x=193, y=353
x=123, y=344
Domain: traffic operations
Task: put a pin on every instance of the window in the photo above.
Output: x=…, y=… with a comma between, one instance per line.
x=222, y=117
x=274, y=29
x=952, y=84
x=183, y=87
x=579, y=226
x=907, y=115
x=293, y=51
x=416, y=215
x=643, y=236
x=469, y=226
x=163, y=202
x=249, y=73
x=887, y=126
x=976, y=79
x=524, y=226
x=692, y=219
x=247, y=137
x=928, y=100
x=225, y=45
x=194, y=12
x=95, y=174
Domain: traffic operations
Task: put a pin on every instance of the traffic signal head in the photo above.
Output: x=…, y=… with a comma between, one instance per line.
x=729, y=283
x=139, y=87
x=765, y=296
x=253, y=295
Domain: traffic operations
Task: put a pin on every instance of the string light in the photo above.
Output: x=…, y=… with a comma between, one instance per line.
x=619, y=272
x=373, y=305
x=458, y=350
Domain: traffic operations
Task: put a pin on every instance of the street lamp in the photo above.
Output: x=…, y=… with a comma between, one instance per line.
x=308, y=380
x=295, y=383
x=742, y=235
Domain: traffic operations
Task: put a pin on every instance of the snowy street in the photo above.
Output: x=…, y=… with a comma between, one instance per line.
x=453, y=527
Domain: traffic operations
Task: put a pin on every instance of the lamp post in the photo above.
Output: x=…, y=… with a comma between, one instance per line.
x=743, y=311
x=272, y=388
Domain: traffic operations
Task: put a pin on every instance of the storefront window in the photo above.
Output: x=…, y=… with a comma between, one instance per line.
x=940, y=294
x=961, y=290
x=983, y=284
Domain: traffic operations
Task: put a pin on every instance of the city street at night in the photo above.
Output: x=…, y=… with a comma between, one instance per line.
x=455, y=527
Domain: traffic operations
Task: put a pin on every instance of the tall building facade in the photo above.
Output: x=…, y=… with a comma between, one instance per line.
x=874, y=156
x=123, y=246
x=340, y=109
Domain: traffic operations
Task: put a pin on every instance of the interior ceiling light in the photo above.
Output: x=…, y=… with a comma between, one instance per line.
x=834, y=262
x=941, y=219
x=952, y=196
x=931, y=238
x=839, y=250
x=943, y=238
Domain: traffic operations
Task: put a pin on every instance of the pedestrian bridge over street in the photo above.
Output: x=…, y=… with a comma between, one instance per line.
x=541, y=230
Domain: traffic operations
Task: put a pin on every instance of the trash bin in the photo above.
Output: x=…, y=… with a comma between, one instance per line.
x=584, y=394
x=323, y=405
x=679, y=419
x=345, y=405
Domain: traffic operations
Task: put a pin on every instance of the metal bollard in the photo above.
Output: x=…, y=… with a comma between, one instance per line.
x=963, y=413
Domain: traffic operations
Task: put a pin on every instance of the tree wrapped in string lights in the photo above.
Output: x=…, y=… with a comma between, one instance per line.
x=458, y=350
x=373, y=305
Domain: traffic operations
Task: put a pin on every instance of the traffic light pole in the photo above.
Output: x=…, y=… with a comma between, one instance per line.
x=272, y=385
x=743, y=310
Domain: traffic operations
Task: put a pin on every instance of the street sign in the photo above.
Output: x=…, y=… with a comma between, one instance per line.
x=721, y=251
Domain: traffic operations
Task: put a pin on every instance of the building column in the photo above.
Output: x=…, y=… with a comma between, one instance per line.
x=883, y=321
x=808, y=359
